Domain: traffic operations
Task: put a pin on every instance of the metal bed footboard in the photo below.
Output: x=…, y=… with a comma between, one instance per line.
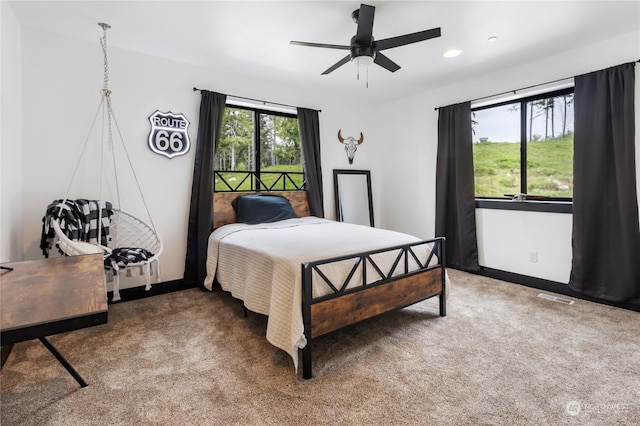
x=387, y=292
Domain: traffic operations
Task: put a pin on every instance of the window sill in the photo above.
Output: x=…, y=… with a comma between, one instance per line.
x=526, y=205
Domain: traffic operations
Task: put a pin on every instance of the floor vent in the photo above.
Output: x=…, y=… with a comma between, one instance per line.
x=555, y=299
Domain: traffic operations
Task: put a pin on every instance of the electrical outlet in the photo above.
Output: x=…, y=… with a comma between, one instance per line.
x=533, y=256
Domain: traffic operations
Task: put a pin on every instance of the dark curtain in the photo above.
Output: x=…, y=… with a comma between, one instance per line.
x=201, y=212
x=309, y=125
x=606, y=238
x=455, y=194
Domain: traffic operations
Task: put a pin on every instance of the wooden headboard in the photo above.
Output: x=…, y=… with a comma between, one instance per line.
x=224, y=214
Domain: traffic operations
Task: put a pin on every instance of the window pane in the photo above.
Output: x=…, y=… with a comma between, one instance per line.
x=235, y=148
x=280, y=151
x=550, y=147
x=496, y=150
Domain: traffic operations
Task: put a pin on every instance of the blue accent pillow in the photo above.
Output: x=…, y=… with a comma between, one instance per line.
x=262, y=208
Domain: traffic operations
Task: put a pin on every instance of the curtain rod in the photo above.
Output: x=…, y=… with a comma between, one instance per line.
x=195, y=89
x=517, y=90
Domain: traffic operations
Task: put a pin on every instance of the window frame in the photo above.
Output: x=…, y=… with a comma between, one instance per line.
x=257, y=148
x=541, y=204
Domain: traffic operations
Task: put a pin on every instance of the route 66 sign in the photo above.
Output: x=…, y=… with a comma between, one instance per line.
x=169, y=136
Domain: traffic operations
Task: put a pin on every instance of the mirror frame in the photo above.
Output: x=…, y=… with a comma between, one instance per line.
x=336, y=192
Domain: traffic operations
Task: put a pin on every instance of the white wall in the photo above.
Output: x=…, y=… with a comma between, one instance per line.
x=351, y=119
x=505, y=238
x=407, y=187
x=10, y=137
x=62, y=78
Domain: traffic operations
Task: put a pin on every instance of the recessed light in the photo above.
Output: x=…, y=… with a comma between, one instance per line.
x=492, y=38
x=452, y=53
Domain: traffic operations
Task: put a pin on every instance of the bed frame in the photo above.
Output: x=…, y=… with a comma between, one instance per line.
x=345, y=307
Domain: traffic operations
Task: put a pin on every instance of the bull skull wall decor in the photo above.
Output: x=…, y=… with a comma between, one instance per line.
x=350, y=144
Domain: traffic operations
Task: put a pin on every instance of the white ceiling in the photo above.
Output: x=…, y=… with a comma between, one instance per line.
x=251, y=38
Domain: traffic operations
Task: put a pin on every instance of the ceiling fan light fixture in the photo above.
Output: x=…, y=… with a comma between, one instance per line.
x=452, y=53
x=362, y=61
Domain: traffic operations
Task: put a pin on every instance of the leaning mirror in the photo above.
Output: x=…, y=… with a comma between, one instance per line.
x=352, y=189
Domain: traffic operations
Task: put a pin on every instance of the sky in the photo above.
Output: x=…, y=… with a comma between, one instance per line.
x=502, y=124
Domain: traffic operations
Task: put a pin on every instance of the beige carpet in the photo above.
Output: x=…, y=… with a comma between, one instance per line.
x=501, y=356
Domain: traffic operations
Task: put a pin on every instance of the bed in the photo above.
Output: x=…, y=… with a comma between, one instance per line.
x=313, y=276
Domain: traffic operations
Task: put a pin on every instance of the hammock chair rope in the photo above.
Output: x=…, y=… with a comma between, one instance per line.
x=127, y=233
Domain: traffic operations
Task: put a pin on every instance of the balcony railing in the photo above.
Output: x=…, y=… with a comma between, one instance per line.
x=238, y=181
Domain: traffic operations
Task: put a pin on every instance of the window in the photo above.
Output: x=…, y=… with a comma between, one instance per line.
x=525, y=146
x=258, y=150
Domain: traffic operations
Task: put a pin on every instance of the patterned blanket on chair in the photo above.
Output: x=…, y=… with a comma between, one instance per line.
x=123, y=256
x=78, y=220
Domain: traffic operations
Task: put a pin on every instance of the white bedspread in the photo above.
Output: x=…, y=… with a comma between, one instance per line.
x=261, y=265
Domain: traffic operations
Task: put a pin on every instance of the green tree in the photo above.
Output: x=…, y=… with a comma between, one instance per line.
x=287, y=148
x=267, y=140
x=236, y=139
x=545, y=106
x=567, y=100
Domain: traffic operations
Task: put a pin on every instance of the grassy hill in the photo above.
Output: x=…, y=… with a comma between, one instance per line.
x=549, y=167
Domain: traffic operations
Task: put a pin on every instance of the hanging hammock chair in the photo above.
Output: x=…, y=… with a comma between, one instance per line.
x=126, y=241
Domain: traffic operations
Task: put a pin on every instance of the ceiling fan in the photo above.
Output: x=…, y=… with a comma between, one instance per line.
x=364, y=47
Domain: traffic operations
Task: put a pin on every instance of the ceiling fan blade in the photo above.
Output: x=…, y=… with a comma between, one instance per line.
x=364, y=35
x=337, y=65
x=385, y=62
x=327, y=46
x=389, y=43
